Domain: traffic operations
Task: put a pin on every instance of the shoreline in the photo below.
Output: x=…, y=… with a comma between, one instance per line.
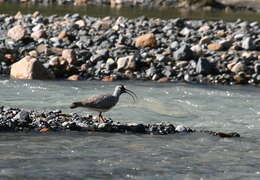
x=78, y=47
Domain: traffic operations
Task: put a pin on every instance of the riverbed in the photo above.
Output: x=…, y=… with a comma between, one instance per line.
x=82, y=155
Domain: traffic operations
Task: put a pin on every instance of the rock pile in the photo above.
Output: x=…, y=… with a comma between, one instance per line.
x=78, y=47
x=15, y=119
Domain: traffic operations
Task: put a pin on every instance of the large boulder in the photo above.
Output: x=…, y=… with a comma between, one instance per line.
x=29, y=68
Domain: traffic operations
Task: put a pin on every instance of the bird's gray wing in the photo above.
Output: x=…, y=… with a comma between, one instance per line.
x=104, y=101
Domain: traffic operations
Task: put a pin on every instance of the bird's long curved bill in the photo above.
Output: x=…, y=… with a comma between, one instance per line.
x=132, y=94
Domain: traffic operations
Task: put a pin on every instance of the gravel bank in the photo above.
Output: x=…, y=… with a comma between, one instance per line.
x=85, y=48
x=15, y=120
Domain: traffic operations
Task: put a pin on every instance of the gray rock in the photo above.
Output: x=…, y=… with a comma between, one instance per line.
x=174, y=45
x=180, y=128
x=97, y=57
x=183, y=53
x=127, y=62
x=150, y=72
x=160, y=57
x=247, y=43
x=257, y=68
x=205, y=67
x=23, y=118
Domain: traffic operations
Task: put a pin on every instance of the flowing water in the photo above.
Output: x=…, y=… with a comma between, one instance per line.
x=82, y=155
x=78, y=155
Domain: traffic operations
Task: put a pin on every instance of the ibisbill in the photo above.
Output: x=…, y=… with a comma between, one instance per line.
x=103, y=102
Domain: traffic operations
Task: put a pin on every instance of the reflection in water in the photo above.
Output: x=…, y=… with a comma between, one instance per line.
x=103, y=11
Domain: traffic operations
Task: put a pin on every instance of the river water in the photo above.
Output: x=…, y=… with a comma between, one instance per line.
x=82, y=155
x=102, y=11
x=78, y=155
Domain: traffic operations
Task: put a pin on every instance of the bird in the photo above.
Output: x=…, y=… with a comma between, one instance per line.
x=103, y=102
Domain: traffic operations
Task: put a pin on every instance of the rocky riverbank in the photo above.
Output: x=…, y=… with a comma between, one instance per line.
x=15, y=120
x=78, y=47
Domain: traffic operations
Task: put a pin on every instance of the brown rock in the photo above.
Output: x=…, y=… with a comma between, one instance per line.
x=18, y=15
x=221, y=34
x=147, y=40
x=108, y=79
x=248, y=55
x=56, y=50
x=69, y=55
x=84, y=67
x=62, y=34
x=166, y=53
x=215, y=47
x=9, y=58
x=42, y=48
x=74, y=77
x=80, y=2
x=127, y=62
x=224, y=56
x=231, y=64
x=240, y=78
x=54, y=61
x=205, y=40
x=238, y=67
x=164, y=79
x=44, y=129
x=33, y=53
x=29, y=68
x=80, y=23
x=102, y=25
x=204, y=28
x=17, y=32
x=38, y=34
x=35, y=14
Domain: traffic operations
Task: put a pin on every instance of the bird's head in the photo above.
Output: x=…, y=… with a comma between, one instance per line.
x=120, y=89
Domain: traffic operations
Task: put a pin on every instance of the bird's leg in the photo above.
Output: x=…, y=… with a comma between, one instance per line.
x=101, y=117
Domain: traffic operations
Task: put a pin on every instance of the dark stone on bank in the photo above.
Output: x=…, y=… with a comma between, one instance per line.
x=205, y=67
x=183, y=53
